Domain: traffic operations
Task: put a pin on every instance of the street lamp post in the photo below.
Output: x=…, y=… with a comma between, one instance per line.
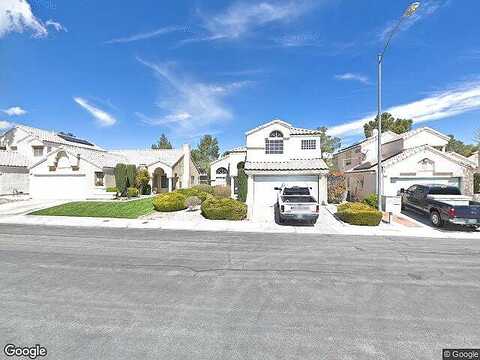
x=411, y=9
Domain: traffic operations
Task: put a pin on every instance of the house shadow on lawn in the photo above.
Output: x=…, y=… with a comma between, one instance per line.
x=448, y=227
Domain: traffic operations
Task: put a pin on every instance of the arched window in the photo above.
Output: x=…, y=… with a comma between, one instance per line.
x=222, y=171
x=274, y=143
x=276, y=134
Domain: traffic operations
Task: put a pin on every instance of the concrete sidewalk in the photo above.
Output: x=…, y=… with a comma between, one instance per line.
x=185, y=220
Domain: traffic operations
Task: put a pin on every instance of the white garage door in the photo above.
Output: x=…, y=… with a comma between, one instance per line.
x=58, y=186
x=405, y=182
x=265, y=195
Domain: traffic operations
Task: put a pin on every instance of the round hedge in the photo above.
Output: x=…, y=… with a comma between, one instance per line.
x=202, y=195
x=359, y=214
x=169, y=202
x=223, y=209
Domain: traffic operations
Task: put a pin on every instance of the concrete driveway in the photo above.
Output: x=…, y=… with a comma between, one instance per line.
x=27, y=206
x=89, y=293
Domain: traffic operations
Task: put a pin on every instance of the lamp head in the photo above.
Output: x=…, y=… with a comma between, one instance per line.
x=412, y=8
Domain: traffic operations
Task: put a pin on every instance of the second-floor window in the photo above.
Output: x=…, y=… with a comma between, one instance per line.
x=309, y=144
x=274, y=143
x=38, y=151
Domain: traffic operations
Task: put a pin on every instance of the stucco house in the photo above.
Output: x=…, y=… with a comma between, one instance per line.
x=275, y=153
x=52, y=165
x=416, y=157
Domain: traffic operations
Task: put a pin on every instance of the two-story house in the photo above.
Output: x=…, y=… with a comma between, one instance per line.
x=416, y=157
x=276, y=153
x=56, y=165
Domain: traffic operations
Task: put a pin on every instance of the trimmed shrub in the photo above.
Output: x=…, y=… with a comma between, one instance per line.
x=131, y=174
x=121, y=178
x=336, y=186
x=147, y=189
x=193, y=192
x=192, y=202
x=359, y=214
x=476, y=183
x=215, y=208
x=204, y=188
x=242, y=185
x=371, y=200
x=112, y=189
x=132, y=192
x=169, y=202
x=222, y=191
x=142, y=179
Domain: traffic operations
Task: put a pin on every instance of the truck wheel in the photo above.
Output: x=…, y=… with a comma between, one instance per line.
x=436, y=219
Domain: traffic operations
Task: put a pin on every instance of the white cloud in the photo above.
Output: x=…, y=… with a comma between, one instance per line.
x=17, y=16
x=426, y=9
x=299, y=40
x=440, y=105
x=189, y=105
x=102, y=117
x=5, y=124
x=355, y=77
x=241, y=18
x=56, y=25
x=15, y=111
x=146, y=35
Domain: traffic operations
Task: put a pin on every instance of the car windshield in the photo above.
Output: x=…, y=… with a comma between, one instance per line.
x=298, y=199
x=296, y=191
x=444, y=190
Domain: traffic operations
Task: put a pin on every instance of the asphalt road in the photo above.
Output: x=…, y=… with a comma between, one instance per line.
x=147, y=294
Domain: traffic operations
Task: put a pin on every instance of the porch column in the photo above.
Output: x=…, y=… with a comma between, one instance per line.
x=170, y=184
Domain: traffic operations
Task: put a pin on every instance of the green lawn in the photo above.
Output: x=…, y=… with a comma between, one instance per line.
x=125, y=210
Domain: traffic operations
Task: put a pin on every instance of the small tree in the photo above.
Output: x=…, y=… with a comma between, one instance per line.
x=142, y=179
x=328, y=144
x=131, y=174
x=121, y=178
x=398, y=126
x=162, y=143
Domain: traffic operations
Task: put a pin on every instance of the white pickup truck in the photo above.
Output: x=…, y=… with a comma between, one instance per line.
x=296, y=203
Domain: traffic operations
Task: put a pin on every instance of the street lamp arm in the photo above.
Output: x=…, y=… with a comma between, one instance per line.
x=391, y=34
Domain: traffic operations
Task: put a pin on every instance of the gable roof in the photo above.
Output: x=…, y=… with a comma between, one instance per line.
x=406, y=153
x=374, y=137
x=414, y=132
x=263, y=126
x=12, y=159
x=149, y=157
x=52, y=136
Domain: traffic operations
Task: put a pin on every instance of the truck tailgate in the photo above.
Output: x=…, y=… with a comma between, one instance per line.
x=467, y=212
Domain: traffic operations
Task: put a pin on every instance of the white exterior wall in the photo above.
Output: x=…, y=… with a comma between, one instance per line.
x=438, y=169
x=425, y=137
x=63, y=183
x=13, y=178
x=291, y=145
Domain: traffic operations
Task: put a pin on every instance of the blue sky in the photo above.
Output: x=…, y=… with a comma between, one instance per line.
x=122, y=73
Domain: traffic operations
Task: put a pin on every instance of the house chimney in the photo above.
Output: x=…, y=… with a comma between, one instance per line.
x=186, y=165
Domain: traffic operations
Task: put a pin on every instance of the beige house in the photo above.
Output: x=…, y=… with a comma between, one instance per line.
x=416, y=157
x=51, y=165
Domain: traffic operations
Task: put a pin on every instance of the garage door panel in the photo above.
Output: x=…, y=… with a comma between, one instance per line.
x=265, y=195
x=405, y=182
x=58, y=187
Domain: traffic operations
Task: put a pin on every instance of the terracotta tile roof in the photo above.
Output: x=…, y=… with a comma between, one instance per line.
x=13, y=159
x=289, y=165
